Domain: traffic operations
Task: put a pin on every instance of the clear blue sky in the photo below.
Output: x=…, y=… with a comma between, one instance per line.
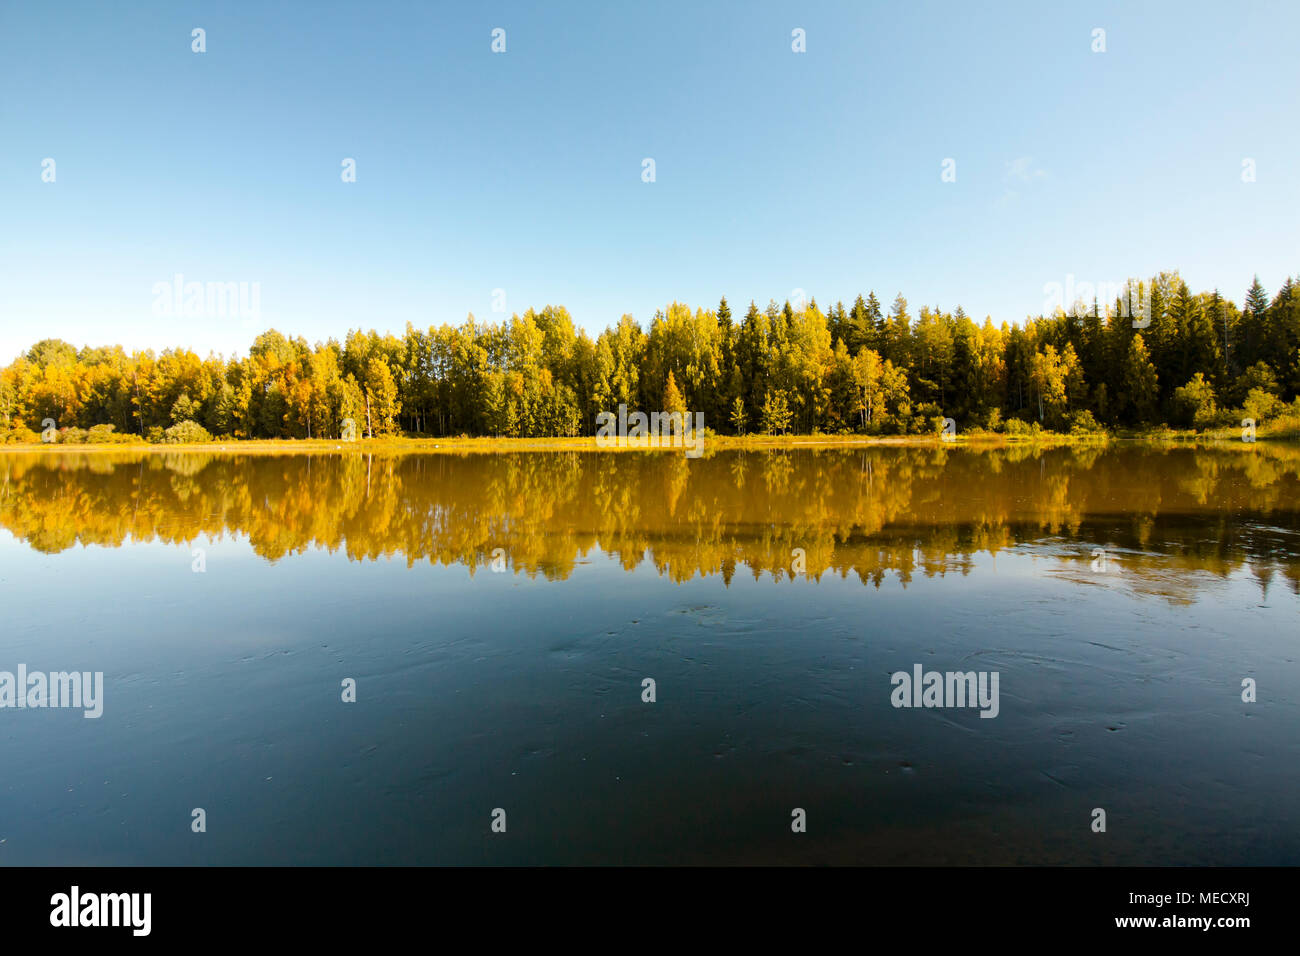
x=522, y=171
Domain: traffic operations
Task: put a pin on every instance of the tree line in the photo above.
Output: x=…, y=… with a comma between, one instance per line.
x=1192, y=360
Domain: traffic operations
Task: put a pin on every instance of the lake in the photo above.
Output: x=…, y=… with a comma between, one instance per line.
x=498, y=618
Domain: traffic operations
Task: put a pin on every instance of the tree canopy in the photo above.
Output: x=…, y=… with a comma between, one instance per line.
x=780, y=369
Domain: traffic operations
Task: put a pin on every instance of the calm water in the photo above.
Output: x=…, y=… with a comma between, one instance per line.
x=770, y=596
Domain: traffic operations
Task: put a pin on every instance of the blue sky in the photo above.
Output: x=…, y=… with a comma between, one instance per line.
x=521, y=171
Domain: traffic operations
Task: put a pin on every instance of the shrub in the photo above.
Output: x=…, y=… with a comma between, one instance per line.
x=1032, y=430
x=1286, y=422
x=1082, y=423
x=1019, y=428
x=21, y=435
x=105, y=435
x=186, y=433
x=926, y=419
x=1194, y=403
x=1260, y=405
x=1259, y=376
x=72, y=436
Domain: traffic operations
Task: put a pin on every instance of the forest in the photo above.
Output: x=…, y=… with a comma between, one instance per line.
x=1194, y=361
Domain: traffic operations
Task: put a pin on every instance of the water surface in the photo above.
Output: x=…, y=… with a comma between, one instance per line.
x=499, y=613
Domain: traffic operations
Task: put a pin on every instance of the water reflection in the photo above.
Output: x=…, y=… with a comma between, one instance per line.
x=875, y=514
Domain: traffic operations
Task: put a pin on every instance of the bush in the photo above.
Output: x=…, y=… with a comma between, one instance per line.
x=21, y=435
x=186, y=433
x=105, y=435
x=1082, y=423
x=1019, y=428
x=1286, y=422
x=1260, y=405
x=72, y=436
x=926, y=419
x=1194, y=403
x=1258, y=377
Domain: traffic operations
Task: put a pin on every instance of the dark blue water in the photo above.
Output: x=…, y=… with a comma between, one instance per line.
x=521, y=689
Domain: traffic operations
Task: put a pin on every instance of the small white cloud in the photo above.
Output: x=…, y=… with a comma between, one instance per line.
x=1021, y=171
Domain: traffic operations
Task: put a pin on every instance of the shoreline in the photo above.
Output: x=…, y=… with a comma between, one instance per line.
x=588, y=443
